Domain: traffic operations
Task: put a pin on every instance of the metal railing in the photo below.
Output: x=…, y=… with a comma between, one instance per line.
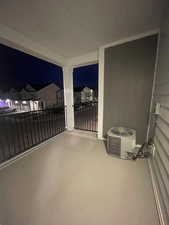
x=21, y=131
x=86, y=116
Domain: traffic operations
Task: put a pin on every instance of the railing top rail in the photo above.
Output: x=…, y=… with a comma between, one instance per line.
x=29, y=113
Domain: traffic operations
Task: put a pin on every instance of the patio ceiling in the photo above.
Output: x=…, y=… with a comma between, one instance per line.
x=71, y=28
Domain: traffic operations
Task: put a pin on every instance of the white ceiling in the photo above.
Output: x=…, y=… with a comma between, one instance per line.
x=72, y=28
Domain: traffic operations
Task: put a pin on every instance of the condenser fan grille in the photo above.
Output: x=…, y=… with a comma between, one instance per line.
x=121, y=131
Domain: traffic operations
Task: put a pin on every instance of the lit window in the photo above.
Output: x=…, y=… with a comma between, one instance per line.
x=7, y=101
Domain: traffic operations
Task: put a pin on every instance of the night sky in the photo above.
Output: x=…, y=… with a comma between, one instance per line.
x=18, y=68
x=86, y=76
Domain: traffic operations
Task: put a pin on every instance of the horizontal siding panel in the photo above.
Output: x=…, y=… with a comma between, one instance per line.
x=163, y=100
x=164, y=193
x=158, y=139
x=164, y=157
x=161, y=159
x=162, y=85
x=164, y=114
x=163, y=124
x=160, y=194
x=160, y=133
x=163, y=172
x=164, y=177
x=163, y=88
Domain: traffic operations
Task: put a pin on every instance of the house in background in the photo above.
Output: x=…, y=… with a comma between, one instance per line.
x=60, y=97
x=85, y=94
x=21, y=99
x=33, y=97
x=48, y=95
x=26, y=92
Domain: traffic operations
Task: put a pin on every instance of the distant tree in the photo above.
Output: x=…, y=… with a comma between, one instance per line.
x=13, y=94
x=31, y=91
x=24, y=95
x=29, y=88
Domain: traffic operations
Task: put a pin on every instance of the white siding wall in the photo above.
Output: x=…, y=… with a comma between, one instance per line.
x=48, y=94
x=160, y=162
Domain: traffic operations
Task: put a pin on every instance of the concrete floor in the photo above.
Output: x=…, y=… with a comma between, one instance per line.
x=72, y=181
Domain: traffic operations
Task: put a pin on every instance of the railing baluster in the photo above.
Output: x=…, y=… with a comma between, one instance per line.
x=37, y=126
x=44, y=124
x=55, y=123
x=8, y=139
x=2, y=144
x=86, y=116
x=50, y=124
x=24, y=130
x=47, y=125
x=18, y=138
x=40, y=126
x=32, y=132
x=14, y=137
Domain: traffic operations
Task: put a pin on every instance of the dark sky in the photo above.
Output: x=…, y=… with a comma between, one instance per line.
x=18, y=68
x=86, y=76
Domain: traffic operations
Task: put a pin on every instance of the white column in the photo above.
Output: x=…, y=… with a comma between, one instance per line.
x=68, y=96
x=101, y=93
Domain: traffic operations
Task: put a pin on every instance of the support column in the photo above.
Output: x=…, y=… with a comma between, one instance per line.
x=68, y=96
x=101, y=93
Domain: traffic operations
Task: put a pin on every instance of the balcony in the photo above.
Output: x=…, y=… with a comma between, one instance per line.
x=52, y=174
x=70, y=179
